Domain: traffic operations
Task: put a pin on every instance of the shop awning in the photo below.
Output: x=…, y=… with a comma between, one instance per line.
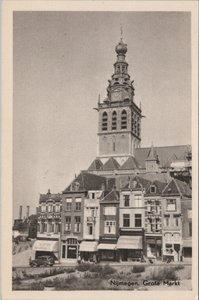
x=187, y=243
x=44, y=245
x=106, y=247
x=88, y=246
x=129, y=242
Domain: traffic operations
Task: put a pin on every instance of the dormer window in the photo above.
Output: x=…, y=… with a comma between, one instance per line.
x=75, y=186
x=152, y=189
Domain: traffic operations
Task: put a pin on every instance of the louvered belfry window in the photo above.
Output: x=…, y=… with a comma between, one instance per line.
x=104, y=121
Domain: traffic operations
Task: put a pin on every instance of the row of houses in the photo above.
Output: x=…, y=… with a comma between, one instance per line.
x=120, y=219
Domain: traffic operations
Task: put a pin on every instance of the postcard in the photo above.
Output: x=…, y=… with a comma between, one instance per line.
x=99, y=149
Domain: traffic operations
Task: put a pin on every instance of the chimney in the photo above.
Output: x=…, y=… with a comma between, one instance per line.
x=20, y=212
x=27, y=211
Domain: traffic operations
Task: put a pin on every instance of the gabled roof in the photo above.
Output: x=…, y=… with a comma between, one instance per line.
x=165, y=154
x=152, y=155
x=85, y=182
x=110, y=165
x=49, y=196
x=112, y=196
x=159, y=188
x=130, y=164
x=96, y=165
x=177, y=187
x=163, y=177
x=137, y=182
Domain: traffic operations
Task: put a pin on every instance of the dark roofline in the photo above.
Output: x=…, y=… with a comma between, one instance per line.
x=184, y=145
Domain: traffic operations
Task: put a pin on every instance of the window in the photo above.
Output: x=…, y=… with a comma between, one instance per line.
x=126, y=200
x=90, y=228
x=114, y=120
x=152, y=189
x=176, y=221
x=190, y=228
x=110, y=210
x=68, y=204
x=68, y=223
x=126, y=220
x=50, y=208
x=189, y=213
x=43, y=227
x=57, y=208
x=57, y=228
x=43, y=208
x=171, y=204
x=75, y=186
x=78, y=206
x=109, y=227
x=138, y=220
x=92, y=195
x=138, y=200
x=124, y=120
x=77, y=224
x=50, y=227
x=104, y=121
x=166, y=221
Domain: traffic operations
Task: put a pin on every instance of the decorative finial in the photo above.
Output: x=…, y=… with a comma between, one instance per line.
x=121, y=31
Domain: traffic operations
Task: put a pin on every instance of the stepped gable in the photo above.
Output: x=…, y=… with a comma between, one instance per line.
x=130, y=164
x=95, y=165
x=111, y=196
x=177, y=187
x=86, y=181
x=110, y=165
x=165, y=154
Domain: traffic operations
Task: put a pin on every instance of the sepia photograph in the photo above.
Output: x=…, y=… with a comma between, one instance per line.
x=102, y=143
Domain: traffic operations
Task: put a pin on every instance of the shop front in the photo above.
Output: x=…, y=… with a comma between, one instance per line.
x=154, y=247
x=70, y=249
x=187, y=250
x=130, y=248
x=107, y=252
x=88, y=251
x=46, y=247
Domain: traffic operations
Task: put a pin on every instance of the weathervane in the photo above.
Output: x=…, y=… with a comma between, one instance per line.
x=121, y=31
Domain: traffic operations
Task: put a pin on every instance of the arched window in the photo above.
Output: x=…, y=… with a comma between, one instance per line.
x=104, y=121
x=114, y=120
x=124, y=120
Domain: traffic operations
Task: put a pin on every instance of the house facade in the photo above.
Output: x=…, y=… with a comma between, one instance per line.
x=49, y=225
x=132, y=220
x=80, y=217
x=153, y=220
x=109, y=225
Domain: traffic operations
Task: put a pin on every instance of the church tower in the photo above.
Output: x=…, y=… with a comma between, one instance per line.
x=119, y=126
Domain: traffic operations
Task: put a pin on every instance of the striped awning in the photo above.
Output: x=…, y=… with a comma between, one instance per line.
x=187, y=243
x=106, y=247
x=87, y=246
x=129, y=242
x=46, y=245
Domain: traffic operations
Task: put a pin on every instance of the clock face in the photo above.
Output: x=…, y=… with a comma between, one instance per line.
x=116, y=95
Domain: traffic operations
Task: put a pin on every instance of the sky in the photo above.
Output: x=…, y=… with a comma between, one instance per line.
x=62, y=62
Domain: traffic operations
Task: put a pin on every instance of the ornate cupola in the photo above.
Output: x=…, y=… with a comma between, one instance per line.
x=120, y=86
x=119, y=131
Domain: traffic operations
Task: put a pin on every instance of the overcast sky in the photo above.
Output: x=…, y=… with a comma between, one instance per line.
x=62, y=61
